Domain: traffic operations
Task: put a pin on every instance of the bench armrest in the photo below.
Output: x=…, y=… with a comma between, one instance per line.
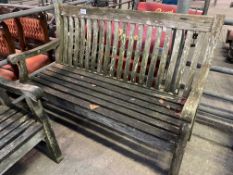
x=19, y=58
x=15, y=58
x=190, y=107
x=28, y=91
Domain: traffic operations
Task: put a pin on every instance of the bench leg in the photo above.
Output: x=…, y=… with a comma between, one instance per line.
x=50, y=139
x=179, y=151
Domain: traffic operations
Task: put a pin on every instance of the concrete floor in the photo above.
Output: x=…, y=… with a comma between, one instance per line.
x=87, y=152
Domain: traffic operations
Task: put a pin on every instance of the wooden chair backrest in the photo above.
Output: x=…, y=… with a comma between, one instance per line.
x=126, y=45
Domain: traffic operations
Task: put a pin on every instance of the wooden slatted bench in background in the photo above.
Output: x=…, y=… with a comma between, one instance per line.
x=115, y=77
x=23, y=129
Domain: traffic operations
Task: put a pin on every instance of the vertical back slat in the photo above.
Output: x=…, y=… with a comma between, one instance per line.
x=88, y=44
x=137, y=53
x=65, y=53
x=82, y=42
x=183, y=61
x=94, y=45
x=77, y=42
x=194, y=61
x=146, y=52
x=60, y=32
x=122, y=50
x=101, y=47
x=164, y=56
x=154, y=58
x=129, y=51
x=174, y=57
x=107, y=47
x=70, y=43
x=114, y=48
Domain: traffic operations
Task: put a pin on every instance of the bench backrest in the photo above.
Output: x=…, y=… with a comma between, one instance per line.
x=126, y=45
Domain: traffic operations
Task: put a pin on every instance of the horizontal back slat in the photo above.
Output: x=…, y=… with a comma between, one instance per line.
x=154, y=50
x=188, y=22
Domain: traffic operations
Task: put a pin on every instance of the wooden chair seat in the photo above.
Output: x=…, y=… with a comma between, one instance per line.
x=23, y=124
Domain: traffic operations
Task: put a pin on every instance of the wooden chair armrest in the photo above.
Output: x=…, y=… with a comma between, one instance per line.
x=28, y=91
x=190, y=107
x=15, y=58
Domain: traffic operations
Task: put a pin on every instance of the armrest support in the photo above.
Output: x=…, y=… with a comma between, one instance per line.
x=15, y=58
x=28, y=91
x=190, y=107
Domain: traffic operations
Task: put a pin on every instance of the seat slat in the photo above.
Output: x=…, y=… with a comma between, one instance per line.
x=148, y=116
x=20, y=140
x=106, y=109
x=10, y=120
x=6, y=114
x=76, y=112
x=135, y=93
x=13, y=126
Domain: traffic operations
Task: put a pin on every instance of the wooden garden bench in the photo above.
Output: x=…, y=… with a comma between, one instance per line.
x=120, y=80
x=23, y=129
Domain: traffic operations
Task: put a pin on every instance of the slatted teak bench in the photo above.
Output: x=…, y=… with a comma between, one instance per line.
x=108, y=73
x=22, y=126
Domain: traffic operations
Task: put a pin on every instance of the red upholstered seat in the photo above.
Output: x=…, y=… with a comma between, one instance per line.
x=33, y=64
x=158, y=7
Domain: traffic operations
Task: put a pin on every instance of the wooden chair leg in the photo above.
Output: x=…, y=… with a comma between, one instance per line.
x=50, y=139
x=179, y=151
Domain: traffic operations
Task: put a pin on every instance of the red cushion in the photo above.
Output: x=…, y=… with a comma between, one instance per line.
x=33, y=64
x=7, y=74
x=158, y=7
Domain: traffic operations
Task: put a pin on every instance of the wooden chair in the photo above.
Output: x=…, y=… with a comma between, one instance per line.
x=140, y=90
x=21, y=129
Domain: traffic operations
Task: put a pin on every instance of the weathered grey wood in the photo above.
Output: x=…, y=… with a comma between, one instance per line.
x=94, y=45
x=137, y=53
x=164, y=57
x=82, y=45
x=122, y=50
x=155, y=54
x=88, y=44
x=173, y=59
x=107, y=47
x=101, y=47
x=70, y=41
x=77, y=42
x=114, y=48
x=146, y=51
x=66, y=41
x=129, y=52
x=132, y=87
x=21, y=130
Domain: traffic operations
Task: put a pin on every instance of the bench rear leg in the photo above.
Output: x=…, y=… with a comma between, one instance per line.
x=179, y=151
